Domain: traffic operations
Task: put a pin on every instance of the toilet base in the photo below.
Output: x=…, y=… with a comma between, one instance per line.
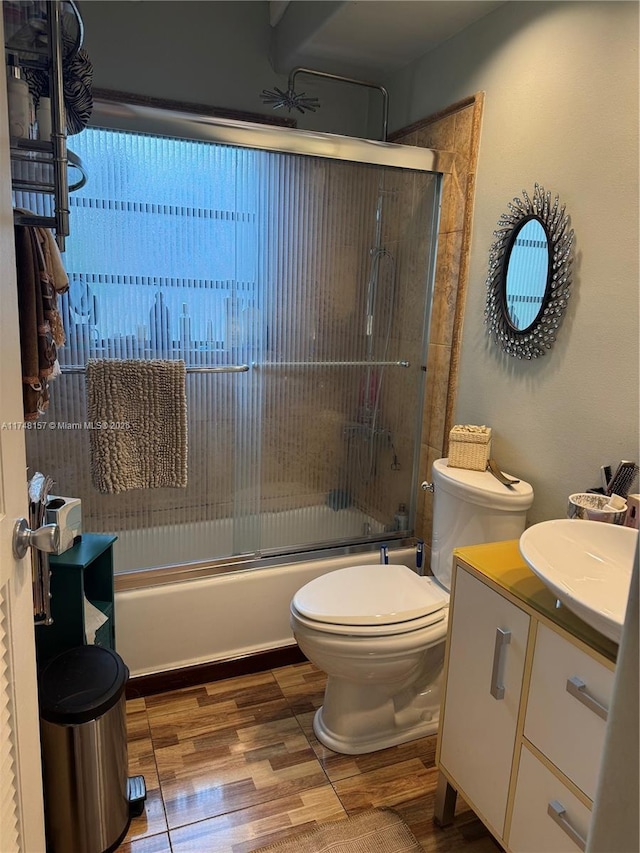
x=371, y=741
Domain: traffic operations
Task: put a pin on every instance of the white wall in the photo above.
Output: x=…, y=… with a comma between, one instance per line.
x=213, y=53
x=561, y=108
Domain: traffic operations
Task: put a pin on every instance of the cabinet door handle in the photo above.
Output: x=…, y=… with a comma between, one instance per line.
x=503, y=638
x=558, y=813
x=578, y=689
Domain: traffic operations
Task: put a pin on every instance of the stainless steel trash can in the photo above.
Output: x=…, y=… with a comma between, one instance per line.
x=84, y=750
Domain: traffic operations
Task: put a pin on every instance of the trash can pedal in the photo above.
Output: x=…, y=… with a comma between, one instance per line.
x=136, y=795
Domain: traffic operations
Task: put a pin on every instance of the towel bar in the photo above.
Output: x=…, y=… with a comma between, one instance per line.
x=270, y=364
x=224, y=368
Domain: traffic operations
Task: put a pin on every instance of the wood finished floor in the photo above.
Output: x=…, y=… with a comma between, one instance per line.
x=234, y=765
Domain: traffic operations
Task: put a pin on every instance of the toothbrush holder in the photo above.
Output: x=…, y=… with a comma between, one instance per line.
x=591, y=507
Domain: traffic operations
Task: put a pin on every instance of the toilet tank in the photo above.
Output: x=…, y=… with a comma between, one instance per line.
x=470, y=508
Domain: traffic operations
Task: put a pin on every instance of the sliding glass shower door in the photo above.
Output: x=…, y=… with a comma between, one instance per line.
x=346, y=284
x=297, y=290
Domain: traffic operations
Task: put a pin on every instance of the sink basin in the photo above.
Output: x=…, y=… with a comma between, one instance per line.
x=587, y=565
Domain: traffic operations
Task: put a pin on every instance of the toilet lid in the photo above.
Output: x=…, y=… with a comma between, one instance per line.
x=369, y=595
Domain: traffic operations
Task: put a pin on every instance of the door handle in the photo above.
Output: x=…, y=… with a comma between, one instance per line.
x=578, y=689
x=503, y=638
x=45, y=538
x=558, y=813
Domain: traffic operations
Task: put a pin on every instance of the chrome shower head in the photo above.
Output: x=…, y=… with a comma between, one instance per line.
x=290, y=99
x=293, y=100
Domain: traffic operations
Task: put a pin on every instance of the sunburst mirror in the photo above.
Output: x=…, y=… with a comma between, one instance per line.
x=529, y=277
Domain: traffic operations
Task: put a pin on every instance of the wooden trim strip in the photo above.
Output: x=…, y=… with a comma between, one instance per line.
x=192, y=676
x=522, y=713
x=578, y=793
x=447, y=111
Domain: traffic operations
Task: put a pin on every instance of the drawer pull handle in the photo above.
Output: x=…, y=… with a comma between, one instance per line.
x=578, y=689
x=503, y=638
x=558, y=812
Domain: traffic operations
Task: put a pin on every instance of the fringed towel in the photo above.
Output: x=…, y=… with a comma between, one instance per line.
x=36, y=314
x=137, y=412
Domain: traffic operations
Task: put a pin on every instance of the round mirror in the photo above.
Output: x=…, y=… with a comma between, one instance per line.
x=526, y=273
x=529, y=274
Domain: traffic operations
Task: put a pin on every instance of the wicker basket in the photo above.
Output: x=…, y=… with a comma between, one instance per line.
x=469, y=447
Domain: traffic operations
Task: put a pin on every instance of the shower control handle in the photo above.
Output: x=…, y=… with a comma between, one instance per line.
x=426, y=487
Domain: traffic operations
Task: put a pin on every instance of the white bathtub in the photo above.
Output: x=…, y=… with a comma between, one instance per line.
x=220, y=617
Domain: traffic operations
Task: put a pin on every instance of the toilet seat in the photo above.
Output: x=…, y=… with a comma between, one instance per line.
x=370, y=600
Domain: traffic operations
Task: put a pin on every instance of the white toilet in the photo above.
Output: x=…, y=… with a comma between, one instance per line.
x=378, y=631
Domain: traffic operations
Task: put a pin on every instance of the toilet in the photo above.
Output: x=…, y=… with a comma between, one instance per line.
x=378, y=631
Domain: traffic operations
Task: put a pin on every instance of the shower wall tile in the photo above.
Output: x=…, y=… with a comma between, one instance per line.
x=446, y=288
x=455, y=129
x=454, y=215
x=438, y=132
x=435, y=409
x=464, y=121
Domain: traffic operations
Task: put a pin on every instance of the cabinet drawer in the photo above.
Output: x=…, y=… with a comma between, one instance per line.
x=533, y=829
x=568, y=727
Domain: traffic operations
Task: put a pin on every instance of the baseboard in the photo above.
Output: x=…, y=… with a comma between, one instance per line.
x=191, y=676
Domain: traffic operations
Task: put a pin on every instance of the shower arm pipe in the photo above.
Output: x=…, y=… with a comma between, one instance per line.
x=269, y=364
x=328, y=76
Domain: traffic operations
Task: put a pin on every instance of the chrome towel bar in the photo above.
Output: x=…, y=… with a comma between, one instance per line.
x=243, y=368
x=223, y=368
x=270, y=364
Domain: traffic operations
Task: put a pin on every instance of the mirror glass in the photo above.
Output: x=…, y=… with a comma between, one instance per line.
x=527, y=271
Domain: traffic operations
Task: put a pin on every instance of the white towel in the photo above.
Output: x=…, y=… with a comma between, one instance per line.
x=137, y=414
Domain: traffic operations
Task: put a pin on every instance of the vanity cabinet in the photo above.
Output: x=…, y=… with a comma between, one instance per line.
x=526, y=692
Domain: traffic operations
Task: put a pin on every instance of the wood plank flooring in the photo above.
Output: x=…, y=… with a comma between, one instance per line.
x=233, y=765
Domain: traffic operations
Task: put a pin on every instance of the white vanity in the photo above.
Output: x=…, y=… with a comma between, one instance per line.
x=527, y=687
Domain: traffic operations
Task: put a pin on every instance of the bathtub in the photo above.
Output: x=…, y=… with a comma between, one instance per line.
x=218, y=617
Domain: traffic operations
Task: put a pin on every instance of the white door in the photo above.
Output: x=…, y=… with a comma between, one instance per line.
x=21, y=810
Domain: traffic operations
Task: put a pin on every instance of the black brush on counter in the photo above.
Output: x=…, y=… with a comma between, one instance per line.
x=622, y=480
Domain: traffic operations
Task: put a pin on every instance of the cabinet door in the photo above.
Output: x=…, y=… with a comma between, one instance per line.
x=486, y=661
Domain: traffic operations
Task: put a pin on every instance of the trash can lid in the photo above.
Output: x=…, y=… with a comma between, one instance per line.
x=81, y=684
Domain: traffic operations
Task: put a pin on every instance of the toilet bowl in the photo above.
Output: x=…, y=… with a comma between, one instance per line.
x=372, y=630
x=379, y=631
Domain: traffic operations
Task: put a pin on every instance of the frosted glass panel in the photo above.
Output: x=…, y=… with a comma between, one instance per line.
x=316, y=274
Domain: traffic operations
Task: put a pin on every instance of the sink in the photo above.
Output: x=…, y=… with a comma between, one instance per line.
x=587, y=565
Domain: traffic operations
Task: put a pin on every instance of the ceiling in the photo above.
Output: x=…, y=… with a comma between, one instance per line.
x=366, y=35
